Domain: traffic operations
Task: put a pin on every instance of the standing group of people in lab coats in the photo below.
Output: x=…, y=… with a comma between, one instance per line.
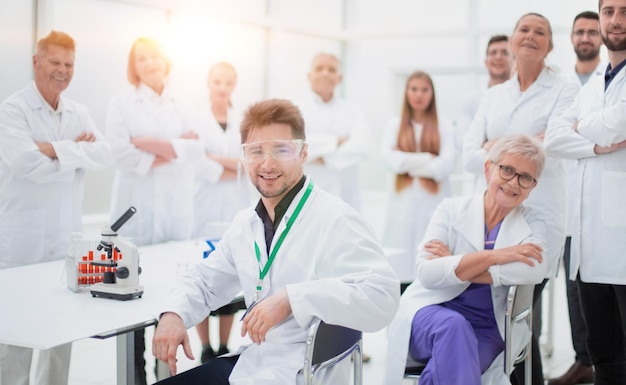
x=586, y=126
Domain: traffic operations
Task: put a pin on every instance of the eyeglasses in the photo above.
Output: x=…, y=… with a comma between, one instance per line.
x=589, y=32
x=507, y=173
x=280, y=150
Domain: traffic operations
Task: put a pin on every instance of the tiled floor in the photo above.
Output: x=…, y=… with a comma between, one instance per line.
x=93, y=361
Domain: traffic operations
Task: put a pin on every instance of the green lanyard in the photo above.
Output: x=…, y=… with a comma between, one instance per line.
x=263, y=272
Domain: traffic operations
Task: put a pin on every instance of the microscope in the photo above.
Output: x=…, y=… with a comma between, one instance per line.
x=121, y=276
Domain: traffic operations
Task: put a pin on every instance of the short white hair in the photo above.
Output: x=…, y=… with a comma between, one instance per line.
x=522, y=145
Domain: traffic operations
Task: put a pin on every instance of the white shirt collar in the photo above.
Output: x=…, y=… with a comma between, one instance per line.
x=46, y=104
x=145, y=92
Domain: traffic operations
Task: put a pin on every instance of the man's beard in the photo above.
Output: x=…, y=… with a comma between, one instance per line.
x=587, y=56
x=614, y=46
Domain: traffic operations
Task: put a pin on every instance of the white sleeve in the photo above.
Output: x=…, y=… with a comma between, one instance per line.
x=355, y=149
x=561, y=141
x=606, y=126
x=85, y=155
x=397, y=161
x=118, y=134
x=473, y=153
x=441, y=166
x=358, y=275
x=518, y=273
x=438, y=273
x=20, y=153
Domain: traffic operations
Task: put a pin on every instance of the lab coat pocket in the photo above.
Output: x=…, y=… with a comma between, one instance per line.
x=22, y=238
x=613, y=200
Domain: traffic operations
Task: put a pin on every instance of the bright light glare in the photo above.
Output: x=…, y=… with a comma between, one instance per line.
x=194, y=40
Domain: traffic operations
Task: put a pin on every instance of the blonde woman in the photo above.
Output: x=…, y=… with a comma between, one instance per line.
x=153, y=150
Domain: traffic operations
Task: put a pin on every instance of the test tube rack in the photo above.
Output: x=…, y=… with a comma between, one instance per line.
x=83, y=268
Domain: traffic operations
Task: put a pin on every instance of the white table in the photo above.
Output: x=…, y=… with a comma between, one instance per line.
x=38, y=311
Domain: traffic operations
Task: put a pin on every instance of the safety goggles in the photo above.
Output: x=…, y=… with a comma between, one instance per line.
x=279, y=150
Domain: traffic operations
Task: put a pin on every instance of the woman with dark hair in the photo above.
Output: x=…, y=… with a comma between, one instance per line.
x=419, y=149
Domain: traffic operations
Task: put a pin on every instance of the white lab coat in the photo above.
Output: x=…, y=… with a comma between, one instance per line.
x=41, y=203
x=409, y=211
x=506, y=110
x=572, y=164
x=598, y=241
x=40, y=198
x=325, y=123
x=331, y=265
x=218, y=200
x=459, y=223
x=469, y=106
x=162, y=195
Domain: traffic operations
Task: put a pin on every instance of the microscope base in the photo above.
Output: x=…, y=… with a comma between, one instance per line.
x=113, y=292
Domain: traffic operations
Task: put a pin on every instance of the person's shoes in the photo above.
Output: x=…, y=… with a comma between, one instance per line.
x=207, y=355
x=578, y=373
x=222, y=350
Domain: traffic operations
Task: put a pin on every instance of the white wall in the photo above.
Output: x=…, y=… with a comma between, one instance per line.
x=271, y=43
x=16, y=45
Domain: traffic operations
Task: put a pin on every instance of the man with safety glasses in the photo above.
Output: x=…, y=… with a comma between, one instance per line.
x=300, y=255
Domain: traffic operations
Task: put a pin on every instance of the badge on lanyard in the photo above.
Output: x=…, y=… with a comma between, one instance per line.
x=265, y=269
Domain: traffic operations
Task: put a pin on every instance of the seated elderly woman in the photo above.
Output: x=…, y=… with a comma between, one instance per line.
x=451, y=317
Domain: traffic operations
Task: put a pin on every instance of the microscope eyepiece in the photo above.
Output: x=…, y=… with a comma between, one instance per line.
x=125, y=217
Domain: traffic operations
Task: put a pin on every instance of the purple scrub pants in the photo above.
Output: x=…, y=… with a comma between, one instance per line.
x=455, y=351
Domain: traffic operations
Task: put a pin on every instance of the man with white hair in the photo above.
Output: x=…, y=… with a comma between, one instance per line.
x=337, y=132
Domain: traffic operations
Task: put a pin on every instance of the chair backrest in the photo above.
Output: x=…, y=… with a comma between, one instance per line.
x=519, y=313
x=329, y=344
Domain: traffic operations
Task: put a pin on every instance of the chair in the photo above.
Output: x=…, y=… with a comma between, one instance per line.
x=519, y=313
x=413, y=369
x=326, y=345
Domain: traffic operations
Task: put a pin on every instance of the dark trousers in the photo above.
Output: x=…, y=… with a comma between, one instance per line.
x=517, y=377
x=576, y=320
x=604, y=309
x=214, y=372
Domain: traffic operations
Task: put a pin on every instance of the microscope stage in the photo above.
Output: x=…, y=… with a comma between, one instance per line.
x=121, y=294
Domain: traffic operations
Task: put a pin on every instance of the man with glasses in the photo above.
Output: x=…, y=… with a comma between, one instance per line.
x=593, y=131
x=301, y=254
x=587, y=41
